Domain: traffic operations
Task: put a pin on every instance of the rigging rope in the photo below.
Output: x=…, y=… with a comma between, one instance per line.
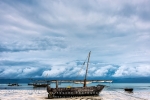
x=78, y=72
x=80, y=69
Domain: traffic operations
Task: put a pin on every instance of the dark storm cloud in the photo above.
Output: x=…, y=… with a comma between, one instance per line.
x=24, y=69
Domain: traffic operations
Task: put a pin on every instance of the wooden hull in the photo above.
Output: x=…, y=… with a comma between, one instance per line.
x=74, y=91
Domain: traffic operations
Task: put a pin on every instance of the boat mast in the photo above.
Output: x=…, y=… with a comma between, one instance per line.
x=84, y=85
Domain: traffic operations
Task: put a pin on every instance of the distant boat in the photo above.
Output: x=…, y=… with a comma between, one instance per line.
x=13, y=84
x=30, y=83
x=101, y=81
x=128, y=89
x=109, y=81
x=76, y=82
x=41, y=84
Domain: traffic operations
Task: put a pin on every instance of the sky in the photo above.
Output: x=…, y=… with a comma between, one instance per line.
x=52, y=38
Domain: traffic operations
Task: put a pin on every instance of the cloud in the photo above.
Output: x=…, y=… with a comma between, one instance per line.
x=73, y=69
x=22, y=69
x=61, y=33
x=44, y=43
x=133, y=71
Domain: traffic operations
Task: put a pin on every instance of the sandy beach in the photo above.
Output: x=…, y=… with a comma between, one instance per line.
x=42, y=95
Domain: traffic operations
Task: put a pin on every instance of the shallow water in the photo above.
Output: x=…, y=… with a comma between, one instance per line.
x=108, y=87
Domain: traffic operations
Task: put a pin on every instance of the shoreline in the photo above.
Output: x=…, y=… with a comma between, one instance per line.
x=43, y=95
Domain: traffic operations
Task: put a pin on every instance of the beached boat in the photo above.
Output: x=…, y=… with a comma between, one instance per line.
x=60, y=92
x=41, y=84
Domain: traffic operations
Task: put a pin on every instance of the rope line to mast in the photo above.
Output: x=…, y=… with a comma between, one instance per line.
x=80, y=70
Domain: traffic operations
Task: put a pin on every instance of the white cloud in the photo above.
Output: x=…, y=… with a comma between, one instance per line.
x=140, y=70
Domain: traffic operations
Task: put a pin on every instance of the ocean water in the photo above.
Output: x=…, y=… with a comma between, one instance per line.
x=108, y=86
